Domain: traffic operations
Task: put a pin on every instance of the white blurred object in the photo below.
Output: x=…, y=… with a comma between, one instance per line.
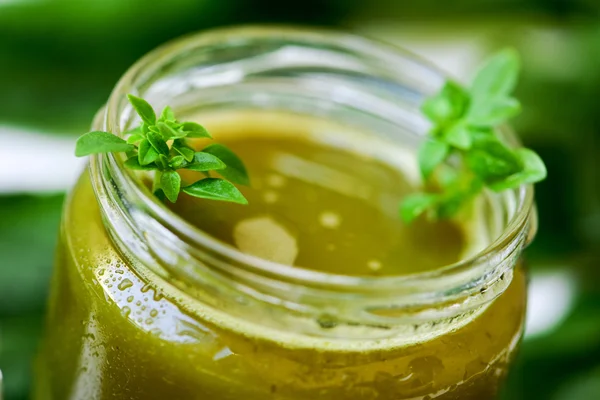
x=551, y=298
x=32, y=162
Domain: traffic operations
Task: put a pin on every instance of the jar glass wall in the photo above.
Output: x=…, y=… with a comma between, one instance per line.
x=147, y=305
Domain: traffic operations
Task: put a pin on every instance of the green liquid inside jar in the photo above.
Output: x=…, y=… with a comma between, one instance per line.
x=317, y=202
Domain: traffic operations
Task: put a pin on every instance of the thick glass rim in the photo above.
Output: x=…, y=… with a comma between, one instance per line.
x=514, y=236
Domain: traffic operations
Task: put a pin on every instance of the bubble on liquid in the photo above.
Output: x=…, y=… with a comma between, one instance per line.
x=276, y=181
x=330, y=219
x=270, y=197
x=125, y=284
x=266, y=238
x=374, y=265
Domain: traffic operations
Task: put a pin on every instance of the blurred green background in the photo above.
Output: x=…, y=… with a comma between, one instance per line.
x=60, y=58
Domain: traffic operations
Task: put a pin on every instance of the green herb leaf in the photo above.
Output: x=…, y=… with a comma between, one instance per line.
x=431, y=154
x=497, y=77
x=167, y=114
x=194, y=130
x=490, y=159
x=133, y=139
x=168, y=132
x=181, y=146
x=205, y=162
x=146, y=153
x=235, y=170
x=493, y=112
x=449, y=104
x=215, y=189
x=416, y=204
x=170, y=183
x=143, y=109
x=459, y=136
x=134, y=163
x=100, y=142
x=533, y=171
x=157, y=141
x=177, y=162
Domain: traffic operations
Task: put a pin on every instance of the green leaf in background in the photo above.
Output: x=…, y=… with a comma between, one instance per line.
x=497, y=77
x=134, y=163
x=449, y=104
x=235, y=170
x=431, y=154
x=491, y=159
x=167, y=114
x=416, y=204
x=170, y=183
x=136, y=137
x=100, y=142
x=144, y=110
x=168, y=132
x=216, y=189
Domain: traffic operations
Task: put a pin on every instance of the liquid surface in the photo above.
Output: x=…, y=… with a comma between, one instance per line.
x=116, y=332
x=317, y=206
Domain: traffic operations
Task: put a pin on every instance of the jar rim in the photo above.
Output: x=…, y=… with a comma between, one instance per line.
x=513, y=237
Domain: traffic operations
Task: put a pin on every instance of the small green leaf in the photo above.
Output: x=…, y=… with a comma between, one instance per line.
x=135, y=138
x=167, y=114
x=168, y=132
x=146, y=153
x=493, y=112
x=490, y=159
x=136, y=131
x=216, y=189
x=100, y=142
x=170, y=183
x=177, y=162
x=497, y=77
x=156, y=185
x=144, y=110
x=431, y=154
x=134, y=163
x=459, y=136
x=194, y=130
x=157, y=141
x=533, y=171
x=235, y=170
x=181, y=146
x=416, y=204
x=205, y=162
x=449, y=104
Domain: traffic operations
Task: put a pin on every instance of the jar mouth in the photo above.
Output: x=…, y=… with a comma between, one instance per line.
x=466, y=275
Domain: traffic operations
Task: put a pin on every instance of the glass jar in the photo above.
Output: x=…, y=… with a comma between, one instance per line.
x=146, y=306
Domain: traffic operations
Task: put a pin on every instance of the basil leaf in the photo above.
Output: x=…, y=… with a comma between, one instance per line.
x=497, y=77
x=143, y=109
x=416, y=204
x=167, y=114
x=134, y=163
x=168, y=132
x=215, y=189
x=135, y=138
x=205, y=162
x=490, y=159
x=449, y=104
x=177, y=162
x=533, y=171
x=493, y=112
x=181, y=146
x=431, y=154
x=194, y=130
x=459, y=136
x=157, y=141
x=146, y=153
x=235, y=170
x=170, y=183
x=100, y=142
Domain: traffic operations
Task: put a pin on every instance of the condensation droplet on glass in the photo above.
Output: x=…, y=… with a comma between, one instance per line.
x=153, y=312
x=126, y=311
x=130, y=299
x=125, y=284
